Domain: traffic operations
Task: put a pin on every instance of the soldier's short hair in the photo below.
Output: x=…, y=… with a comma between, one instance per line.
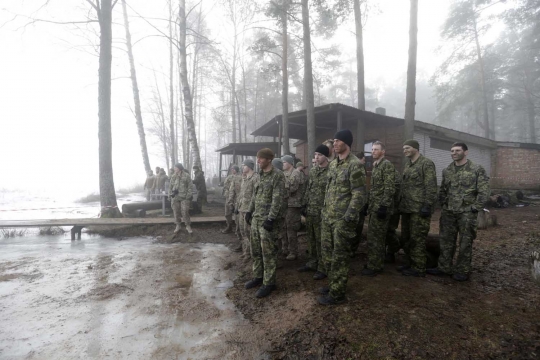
x=380, y=144
x=461, y=144
x=328, y=141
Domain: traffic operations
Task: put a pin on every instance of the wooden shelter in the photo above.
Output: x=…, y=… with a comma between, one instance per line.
x=244, y=150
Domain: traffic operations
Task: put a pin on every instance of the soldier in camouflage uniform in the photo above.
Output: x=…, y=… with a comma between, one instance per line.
x=463, y=193
x=311, y=207
x=180, y=195
x=362, y=217
x=392, y=240
x=381, y=206
x=416, y=204
x=249, y=180
x=344, y=199
x=162, y=180
x=264, y=211
x=294, y=191
x=277, y=163
x=235, y=174
x=148, y=184
x=234, y=195
x=200, y=185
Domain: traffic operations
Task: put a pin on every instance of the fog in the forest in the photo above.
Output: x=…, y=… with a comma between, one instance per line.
x=49, y=77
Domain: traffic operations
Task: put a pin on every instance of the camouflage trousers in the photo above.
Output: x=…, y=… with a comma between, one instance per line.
x=358, y=238
x=228, y=211
x=181, y=211
x=313, y=225
x=245, y=230
x=376, y=241
x=452, y=224
x=201, y=200
x=264, y=251
x=392, y=240
x=148, y=193
x=336, y=240
x=414, y=232
x=289, y=229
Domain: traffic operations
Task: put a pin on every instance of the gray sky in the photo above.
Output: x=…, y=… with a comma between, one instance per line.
x=48, y=86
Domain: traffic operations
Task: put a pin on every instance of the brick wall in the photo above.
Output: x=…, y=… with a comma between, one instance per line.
x=442, y=159
x=516, y=168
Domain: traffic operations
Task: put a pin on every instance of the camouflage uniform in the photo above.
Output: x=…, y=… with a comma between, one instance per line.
x=148, y=184
x=234, y=194
x=359, y=227
x=345, y=197
x=162, y=180
x=246, y=193
x=392, y=240
x=316, y=187
x=225, y=192
x=463, y=189
x=293, y=192
x=381, y=193
x=181, y=202
x=266, y=203
x=200, y=184
x=418, y=189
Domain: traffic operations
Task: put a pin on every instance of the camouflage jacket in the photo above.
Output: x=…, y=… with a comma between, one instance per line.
x=316, y=190
x=182, y=183
x=267, y=199
x=226, y=186
x=294, y=181
x=419, y=186
x=345, y=190
x=383, y=187
x=464, y=187
x=161, y=181
x=149, y=183
x=246, y=191
x=200, y=183
x=234, y=190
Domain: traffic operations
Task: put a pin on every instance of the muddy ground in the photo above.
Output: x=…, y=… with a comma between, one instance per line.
x=496, y=315
x=142, y=293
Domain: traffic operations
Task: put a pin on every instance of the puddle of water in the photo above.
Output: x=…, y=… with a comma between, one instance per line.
x=102, y=297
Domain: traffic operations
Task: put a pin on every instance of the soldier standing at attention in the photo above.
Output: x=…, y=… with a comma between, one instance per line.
x=234, y=170
x=463, y=193
x=148, y=184
x=249, y=181
x=416, y=204
x=362, y=217
x=234, y=195
x=344, y=198
x=381, y=200
x=293, y=221
x=264, y=211
x=162, y=180
x=180, y=195
x=311, y=207
x=200, y=185
x=156, y=181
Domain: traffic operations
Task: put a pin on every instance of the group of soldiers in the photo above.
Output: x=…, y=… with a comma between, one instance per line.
x=334, y=201
x=155, y=184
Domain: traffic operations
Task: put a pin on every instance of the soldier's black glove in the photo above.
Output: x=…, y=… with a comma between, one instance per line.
x=303, y=211
x=381, y=212
x=174, y=193
x=248, y=217
x=474, y=210
x=268, y=225
x=425, y=211
x=364, y=210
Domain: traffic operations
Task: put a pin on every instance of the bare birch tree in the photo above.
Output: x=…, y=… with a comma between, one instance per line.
x=410, y=97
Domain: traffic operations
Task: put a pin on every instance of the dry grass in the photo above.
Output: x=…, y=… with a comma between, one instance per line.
x=11, y=233
x=51, y=230
x=88, y=199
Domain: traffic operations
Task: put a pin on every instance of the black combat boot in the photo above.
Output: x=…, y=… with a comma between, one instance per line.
x=460, y=277
x=319, y=276
x=412, y=272
x=328, y=300
x=254, y=282
x=265, y=290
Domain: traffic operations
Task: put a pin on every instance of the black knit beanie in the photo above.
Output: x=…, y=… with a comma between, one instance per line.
x=344, y=135
x=323, y=149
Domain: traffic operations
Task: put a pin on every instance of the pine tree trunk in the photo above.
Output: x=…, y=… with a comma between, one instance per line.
x=136, y=98
x=285, y=78
x=107, y=192
x=410, y=97
x=308, y=80
x=188, y=110
x=359, y=56
x=171, y=90
x=487, y=132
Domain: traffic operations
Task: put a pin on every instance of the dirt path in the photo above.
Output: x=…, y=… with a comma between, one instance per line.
x=496, y=315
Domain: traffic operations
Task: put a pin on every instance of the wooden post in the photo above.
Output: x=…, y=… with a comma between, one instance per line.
x=220, y=164
x=279, y=139
x=360, y=135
